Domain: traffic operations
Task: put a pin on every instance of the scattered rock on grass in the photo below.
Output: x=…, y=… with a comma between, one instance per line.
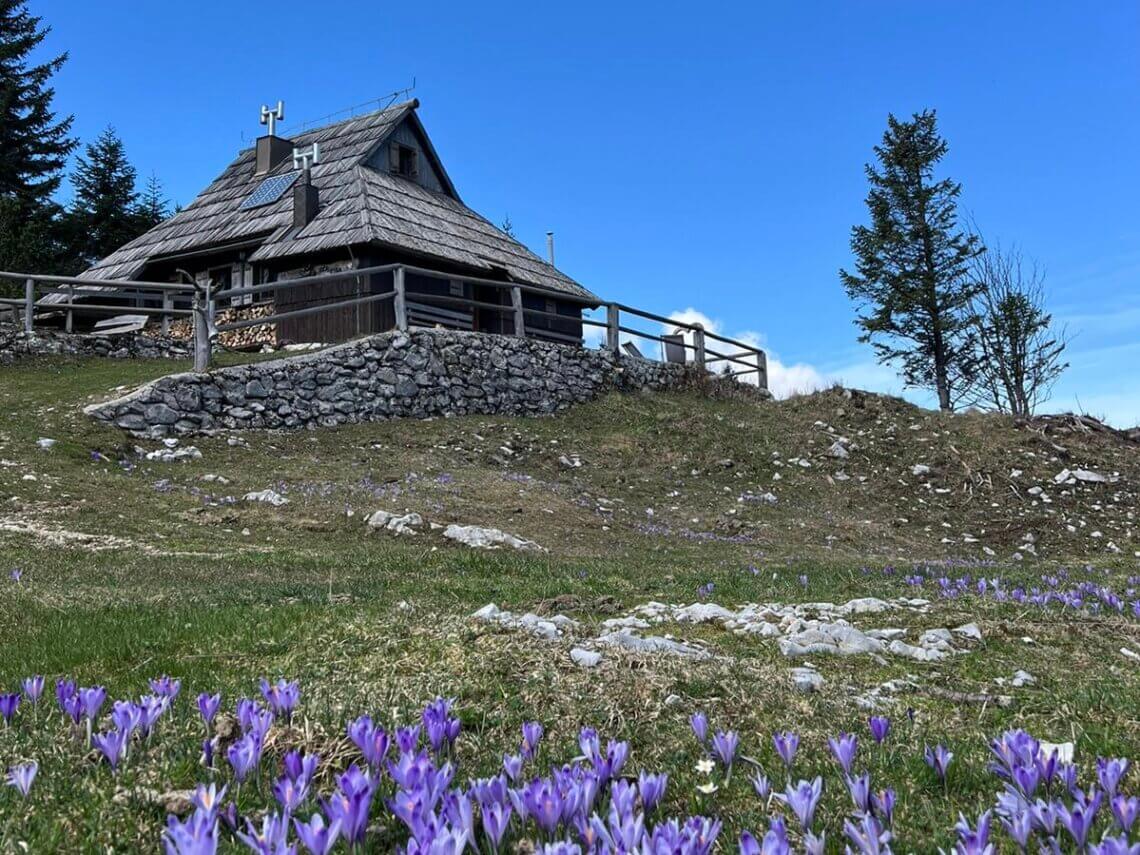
x=270, y=497
x=585, y=658
x=478, y=537
x=395, y=523
x=807, y=680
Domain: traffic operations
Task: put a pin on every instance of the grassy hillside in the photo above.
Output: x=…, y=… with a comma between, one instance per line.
x=130, y=568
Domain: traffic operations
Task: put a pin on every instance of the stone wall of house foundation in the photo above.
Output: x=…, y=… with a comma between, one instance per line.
x=15, y=344
x=391, y=375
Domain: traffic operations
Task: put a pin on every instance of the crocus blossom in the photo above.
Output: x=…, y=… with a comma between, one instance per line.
x=21, y=777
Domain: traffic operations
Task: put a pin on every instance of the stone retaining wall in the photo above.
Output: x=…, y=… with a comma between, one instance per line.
x=15, y=344
x=390, y=375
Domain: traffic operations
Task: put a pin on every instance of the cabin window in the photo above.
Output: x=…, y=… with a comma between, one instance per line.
x=551, y=306
x=402, y=161
x=456, y=288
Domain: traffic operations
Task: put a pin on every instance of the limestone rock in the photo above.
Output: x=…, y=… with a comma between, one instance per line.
x=395, y=523
x=478, y=537
x=268, y=496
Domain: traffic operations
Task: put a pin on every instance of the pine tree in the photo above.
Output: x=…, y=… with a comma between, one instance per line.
x=912, y=263
x=153, y=205
x=34, y=143
x=104, y=215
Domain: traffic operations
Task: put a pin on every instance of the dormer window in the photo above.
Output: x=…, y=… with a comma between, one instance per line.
x=402, y=161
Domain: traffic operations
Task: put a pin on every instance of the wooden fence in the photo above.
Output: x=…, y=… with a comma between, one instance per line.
x=689, y=342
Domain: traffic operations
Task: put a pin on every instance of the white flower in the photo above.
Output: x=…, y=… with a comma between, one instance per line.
x=705, y=766
x=708, y=789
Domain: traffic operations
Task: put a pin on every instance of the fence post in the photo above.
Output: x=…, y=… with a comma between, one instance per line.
x=167, y=305
x=762, y=369
x=70, y=311
x=29, y=304
x=202, y=344
x=699, y=345
x=400, y=303
x=520, y=318
x=612, y=325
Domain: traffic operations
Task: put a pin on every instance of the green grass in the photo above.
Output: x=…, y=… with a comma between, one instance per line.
x=124, y=580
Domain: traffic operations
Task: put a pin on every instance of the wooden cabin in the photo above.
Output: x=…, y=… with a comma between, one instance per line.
x=378, y=194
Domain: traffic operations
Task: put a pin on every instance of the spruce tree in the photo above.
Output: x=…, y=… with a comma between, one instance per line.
x=104, y=214
x=34, y=143
x=153, y=205
x=912, y=263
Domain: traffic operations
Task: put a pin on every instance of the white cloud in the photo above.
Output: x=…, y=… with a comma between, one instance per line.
x=783, y=380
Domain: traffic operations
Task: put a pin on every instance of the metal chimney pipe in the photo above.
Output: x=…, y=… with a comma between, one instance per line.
x=550, y=248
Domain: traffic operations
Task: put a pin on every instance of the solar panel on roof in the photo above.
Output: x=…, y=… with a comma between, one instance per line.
x=269, y=190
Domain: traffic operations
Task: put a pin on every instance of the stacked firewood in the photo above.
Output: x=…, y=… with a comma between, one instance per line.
x=247, y=338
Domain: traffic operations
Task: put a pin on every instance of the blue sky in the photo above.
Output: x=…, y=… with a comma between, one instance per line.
x=706, y=157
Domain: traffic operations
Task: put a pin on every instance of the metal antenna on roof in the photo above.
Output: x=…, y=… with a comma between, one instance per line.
x=381, y=103
x=272, y=117
x=304, y=157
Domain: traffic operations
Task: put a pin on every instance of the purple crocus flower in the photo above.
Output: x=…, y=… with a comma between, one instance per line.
x=748, y=844
x=8, y=704
x=208, y=753
x=64, y=689
x=197, y=835
x=290, y=794
x=1078, y=819
x=496, y=817
x=938, y=758
x=270, y=839
x=512, y=765
x=588, y=743
x=244, y=756
x=1125, y=810
x=208, y=798
x=21, y=777
x=282, y=697
x=651, y=788
x=350, y=804
x=72, y=707
x=34, y=688
x=880, y=727
x=208, y=707
x=787, y=743
x=152, y=707
x=867, y=836
x=300, y=767
x=1110, y=771
x=974, y=840
x=166, y=686
x=699, y=722
x=126, y=716
x=859, y=788
x=802, y=798
x=762, y=786
x=110, y=745
x=372, y=741
x=407, y=738
x=91, y=700
x=532, y=735
x=315, y=836
x=725, y=744
x=883, y=805
x=844, y=749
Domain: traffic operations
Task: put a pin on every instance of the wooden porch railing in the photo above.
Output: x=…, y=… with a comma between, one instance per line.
x=199, y=301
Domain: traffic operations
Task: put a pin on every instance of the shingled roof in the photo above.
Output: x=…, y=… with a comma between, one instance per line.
x=358, y=205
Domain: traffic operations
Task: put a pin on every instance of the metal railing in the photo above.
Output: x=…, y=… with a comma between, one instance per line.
x=741, y=358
